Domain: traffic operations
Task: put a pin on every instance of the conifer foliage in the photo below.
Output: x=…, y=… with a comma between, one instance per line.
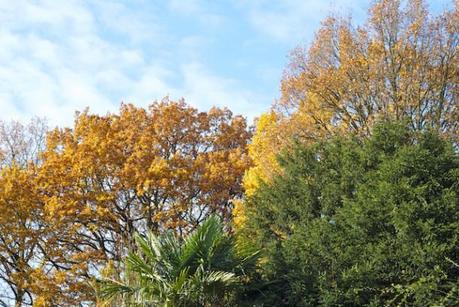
x=352, y=222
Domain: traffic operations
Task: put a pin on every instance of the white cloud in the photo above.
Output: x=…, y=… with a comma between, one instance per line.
x=58, y=57
x=201, y=11
x=55, y=15
x=44, y=68
x=187, y=7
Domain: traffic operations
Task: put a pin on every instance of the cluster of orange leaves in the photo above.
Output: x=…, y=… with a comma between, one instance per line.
x=95, y=184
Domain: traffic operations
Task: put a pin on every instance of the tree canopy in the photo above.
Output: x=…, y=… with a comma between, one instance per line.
x=362, y=222
x=402, y=63
x=78, y=203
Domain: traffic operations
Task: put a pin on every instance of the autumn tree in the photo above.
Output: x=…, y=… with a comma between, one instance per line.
x=402, y=62
x=21, y=144
x=108, y=177
x=23, y=229
x=70, y=207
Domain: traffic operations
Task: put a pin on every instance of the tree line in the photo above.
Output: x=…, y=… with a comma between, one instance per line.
x=345, y=193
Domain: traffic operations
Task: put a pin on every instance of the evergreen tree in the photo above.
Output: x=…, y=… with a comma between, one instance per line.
x=361, y=222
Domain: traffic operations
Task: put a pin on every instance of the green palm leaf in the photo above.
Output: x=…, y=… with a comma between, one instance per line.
x=200, y=270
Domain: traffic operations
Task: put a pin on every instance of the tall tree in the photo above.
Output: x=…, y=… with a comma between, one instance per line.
x=165, y=167
x=402, y=63
x=351, y=222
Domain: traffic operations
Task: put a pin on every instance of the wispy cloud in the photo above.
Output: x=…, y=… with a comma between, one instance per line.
x=208, y=89
x=57, y=57
x=52, y=56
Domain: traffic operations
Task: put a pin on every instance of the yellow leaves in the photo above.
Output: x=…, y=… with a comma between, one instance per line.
x=40, y=301
x=252, y=179
x=19, y=201
x=52, y=206
x=109, y=270
x=109, y=176
x=264, y=141
x=44, y=285
x=102, y=212
x=60, y=277
x=48, y=287
x=239, y=214
x=53, y=287
x=393, y=67
x=159, y=174
x=273, y=133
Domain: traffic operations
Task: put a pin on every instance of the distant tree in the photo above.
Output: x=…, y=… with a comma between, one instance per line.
x=203, y=269
x=23, y=229
x=361, y=222
x=21, y=144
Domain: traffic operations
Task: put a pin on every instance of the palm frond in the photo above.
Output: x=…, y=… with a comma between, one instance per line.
x=199, y=245
x=111, y=288
x=199, y=270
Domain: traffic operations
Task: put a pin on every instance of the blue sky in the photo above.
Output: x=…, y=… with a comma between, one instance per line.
x=57, y=57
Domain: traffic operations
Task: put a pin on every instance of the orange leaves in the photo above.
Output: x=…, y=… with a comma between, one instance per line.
x=76, y=207
x=19, y=200
x=167, y=167
x=22, y=226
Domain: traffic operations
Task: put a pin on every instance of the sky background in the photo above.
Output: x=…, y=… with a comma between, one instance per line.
x=57, y=57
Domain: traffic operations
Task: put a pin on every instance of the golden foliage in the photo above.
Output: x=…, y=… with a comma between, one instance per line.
x=167, y=167
x=403, y=63
x=71, y=211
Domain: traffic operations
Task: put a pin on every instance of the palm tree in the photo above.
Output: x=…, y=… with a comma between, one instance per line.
x=203, y=269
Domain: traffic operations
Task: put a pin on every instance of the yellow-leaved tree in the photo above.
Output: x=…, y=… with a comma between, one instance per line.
x=402, y=63
x=107, y=177
x=72, y=198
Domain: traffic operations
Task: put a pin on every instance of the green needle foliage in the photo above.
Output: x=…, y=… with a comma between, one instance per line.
x=204, y=269
x=352, y=222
